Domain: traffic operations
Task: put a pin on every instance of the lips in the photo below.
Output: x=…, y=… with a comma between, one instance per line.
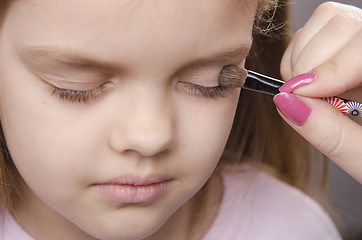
x=131, y=189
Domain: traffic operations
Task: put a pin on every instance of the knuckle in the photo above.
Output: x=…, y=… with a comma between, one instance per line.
x=334, y=8
x=353, y=18
x=327, y=7
x=346, y=22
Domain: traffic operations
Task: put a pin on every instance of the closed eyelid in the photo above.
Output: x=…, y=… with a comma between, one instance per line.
x=205, y=71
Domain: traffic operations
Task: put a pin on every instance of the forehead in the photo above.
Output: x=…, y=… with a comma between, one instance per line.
x=110, y=27
x=129, y=10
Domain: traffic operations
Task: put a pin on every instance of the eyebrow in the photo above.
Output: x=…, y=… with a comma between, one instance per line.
x=71, y=59
x=50, y=55
x=229, y=55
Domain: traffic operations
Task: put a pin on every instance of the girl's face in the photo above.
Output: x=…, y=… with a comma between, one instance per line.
x=111, y=109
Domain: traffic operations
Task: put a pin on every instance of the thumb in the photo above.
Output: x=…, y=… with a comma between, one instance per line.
x=332, y=133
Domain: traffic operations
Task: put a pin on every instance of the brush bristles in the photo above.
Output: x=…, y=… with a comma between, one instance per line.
x=232, y=76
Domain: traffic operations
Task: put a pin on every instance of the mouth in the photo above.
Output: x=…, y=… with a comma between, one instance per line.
x=130, y=189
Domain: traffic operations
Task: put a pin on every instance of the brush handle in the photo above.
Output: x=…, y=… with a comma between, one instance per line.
x=345, y=106
x=261, y=83
x=265, y=84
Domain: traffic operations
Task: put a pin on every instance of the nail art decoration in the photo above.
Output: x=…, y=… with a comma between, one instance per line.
x=346, y=106
x=354, y=108
x=337, y=103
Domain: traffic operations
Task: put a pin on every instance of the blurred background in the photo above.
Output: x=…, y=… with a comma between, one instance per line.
x=345, y=194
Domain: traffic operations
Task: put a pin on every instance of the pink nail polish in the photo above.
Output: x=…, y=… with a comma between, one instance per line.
x=297, y=82
x=293, y=108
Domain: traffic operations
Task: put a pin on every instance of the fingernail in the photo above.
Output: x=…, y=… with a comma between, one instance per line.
x=293, y=108
x=297, y=82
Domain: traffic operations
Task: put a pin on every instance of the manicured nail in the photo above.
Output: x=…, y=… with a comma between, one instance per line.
x=293, y=108
x=297, y=82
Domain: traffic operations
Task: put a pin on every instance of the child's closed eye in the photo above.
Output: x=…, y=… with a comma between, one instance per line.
x=189, y=84
x=220, y=88
x=72, y=95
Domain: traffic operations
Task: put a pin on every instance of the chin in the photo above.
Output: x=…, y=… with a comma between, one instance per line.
x=124, y=236
x=129, y=230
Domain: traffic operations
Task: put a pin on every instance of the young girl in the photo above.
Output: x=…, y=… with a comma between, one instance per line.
x=115, y=126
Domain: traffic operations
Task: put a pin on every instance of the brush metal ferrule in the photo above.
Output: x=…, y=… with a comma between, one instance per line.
x=260, y=83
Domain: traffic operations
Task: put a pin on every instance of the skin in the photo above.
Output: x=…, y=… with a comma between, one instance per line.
x=145, y=121
x=337, y=65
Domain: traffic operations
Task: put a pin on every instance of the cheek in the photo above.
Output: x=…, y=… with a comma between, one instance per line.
x=44, y=148
x=49, y=146
x=56, y=155
x=205, y=130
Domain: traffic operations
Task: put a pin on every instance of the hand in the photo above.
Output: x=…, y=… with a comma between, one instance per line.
x=329, y=49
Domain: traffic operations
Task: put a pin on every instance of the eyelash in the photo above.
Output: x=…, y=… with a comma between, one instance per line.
x=208, y=92
x=78, y=95
x=87, y=95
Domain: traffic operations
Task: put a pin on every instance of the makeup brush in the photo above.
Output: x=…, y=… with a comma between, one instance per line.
x=234, y=76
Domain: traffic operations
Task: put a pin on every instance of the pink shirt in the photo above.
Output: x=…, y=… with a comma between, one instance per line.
x=255, y=206
x=258, y=206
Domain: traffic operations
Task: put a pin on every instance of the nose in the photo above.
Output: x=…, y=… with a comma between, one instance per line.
x=146, y=127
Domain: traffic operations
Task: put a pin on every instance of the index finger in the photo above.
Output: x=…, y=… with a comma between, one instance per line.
x=339, y=74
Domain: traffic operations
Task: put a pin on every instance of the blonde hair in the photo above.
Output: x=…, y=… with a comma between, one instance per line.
x=258, y=132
